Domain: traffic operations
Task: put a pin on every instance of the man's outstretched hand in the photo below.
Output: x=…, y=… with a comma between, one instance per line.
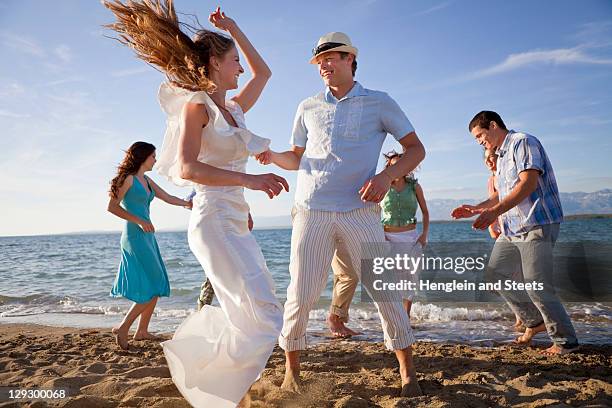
x=486, y=218
x=465, y=211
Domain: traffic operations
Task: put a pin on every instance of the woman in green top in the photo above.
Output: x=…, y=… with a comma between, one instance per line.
x=399, y=218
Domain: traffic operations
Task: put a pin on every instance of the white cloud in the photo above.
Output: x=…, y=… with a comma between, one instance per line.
x=561, y=56
x=11, y=90
x=64, y=53
x=22, y=44
x=131, y=71
x=14, y=115
x=586, y=120
x=64, y=81
x=595, y=32
x=433, y=9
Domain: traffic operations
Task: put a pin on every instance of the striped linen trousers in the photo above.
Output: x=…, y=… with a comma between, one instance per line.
x=314, y=239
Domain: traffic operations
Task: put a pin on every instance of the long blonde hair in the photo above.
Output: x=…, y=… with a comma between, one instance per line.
x=152, y=29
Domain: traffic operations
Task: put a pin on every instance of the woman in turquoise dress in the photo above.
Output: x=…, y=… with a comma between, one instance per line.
x=141, y=276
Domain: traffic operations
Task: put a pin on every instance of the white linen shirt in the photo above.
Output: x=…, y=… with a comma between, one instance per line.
x=343, y=139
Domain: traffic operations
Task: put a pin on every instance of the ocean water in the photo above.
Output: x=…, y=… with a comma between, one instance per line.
x=64, y=280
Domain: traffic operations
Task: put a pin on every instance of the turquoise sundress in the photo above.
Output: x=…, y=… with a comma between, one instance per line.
x=142, y=274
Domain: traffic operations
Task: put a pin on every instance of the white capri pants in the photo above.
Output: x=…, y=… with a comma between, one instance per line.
x=313, y=242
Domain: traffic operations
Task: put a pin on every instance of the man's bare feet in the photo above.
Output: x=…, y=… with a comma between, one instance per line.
x=337, y=327
x=410, y=383
x=145, y=336
x=525, y=339
x=121, y=338
x=518, y=326
x=411, y=389
x=556, y=350
x=292, y=380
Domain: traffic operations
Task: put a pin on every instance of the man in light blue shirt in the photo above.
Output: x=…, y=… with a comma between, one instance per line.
x=336, y=142
x=342, y=139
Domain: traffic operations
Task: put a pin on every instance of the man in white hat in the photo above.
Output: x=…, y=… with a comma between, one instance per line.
x=336, y=142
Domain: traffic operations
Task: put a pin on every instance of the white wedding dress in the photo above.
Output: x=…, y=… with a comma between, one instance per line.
x=217, y=353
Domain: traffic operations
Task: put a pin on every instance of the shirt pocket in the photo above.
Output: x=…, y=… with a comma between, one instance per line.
x=320, y=123
x=352, y=126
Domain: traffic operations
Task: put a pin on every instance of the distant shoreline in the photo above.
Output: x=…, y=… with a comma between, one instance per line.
x=573, y=217
x=587, y=216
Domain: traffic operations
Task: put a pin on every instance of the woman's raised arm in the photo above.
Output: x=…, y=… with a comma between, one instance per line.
x=249, y=94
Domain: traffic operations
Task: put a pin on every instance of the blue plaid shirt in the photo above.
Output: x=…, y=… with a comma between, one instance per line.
x=520, y=152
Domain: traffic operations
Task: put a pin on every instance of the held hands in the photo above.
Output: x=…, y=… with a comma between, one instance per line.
x=465, y=211
x=188, y=204
x=375, y=189
x=221, y=21
x=146, y=226
x=264, y=158
x=269, y=183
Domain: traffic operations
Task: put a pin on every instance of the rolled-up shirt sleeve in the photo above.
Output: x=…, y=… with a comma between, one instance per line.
x=528, y=155
x=394, y=120
x=299, y=134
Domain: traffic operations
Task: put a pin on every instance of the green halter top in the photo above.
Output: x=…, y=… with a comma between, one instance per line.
x=399, y=208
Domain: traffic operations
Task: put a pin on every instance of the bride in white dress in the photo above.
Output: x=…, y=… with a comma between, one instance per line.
x=217, y=353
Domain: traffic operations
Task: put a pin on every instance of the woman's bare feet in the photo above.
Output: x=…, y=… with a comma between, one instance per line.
x=121, y=338
x=145, y=336
x=556, y=350
x=525, y=339
x=337, y=327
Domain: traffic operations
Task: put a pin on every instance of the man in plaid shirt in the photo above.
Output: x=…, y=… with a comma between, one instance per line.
x=527, y=200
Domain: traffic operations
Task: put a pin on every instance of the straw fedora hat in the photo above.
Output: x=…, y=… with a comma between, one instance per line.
x=336, y=41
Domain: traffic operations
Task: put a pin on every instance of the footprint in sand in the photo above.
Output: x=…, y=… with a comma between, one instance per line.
x=96, y=368
x=111, y=386
x=143, y=372
x=163, y=387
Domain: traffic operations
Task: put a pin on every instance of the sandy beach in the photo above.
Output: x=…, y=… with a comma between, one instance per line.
x=88, y=364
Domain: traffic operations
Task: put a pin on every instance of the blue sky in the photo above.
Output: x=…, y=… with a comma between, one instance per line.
x=71, y=99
